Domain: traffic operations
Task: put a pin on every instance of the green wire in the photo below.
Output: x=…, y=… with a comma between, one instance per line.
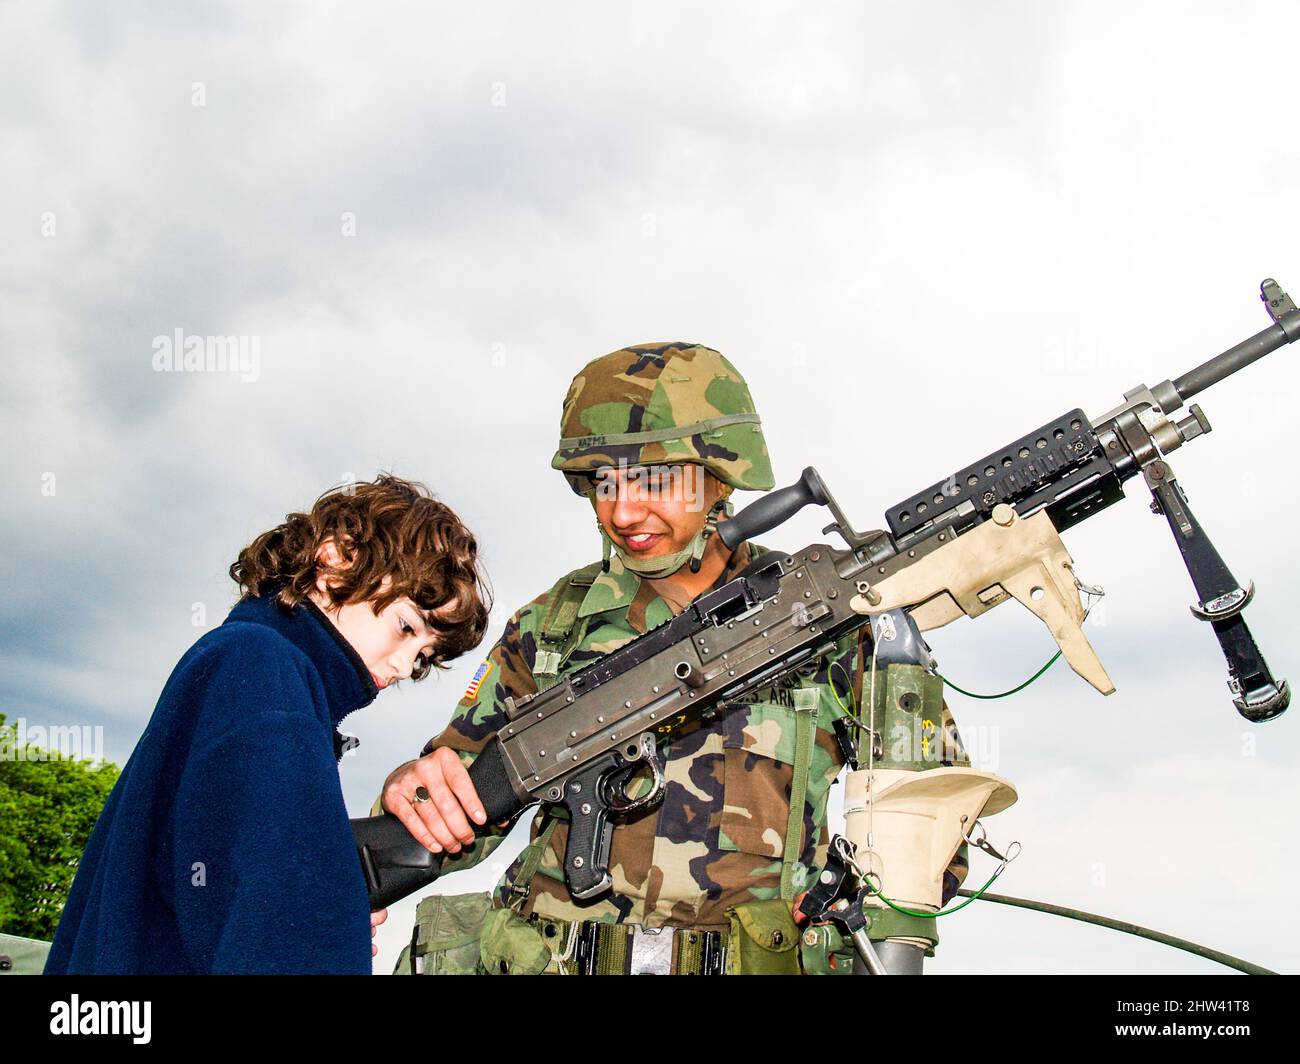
x=971, y=896
x=1014, y=690
x=1123, y=926
x=849, y=710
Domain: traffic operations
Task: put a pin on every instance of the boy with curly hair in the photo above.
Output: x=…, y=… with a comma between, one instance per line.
x=225, y=845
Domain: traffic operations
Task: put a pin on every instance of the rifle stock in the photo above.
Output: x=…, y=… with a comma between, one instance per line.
x=395, y=865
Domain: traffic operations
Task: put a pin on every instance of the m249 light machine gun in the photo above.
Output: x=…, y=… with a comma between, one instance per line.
x=983, y=535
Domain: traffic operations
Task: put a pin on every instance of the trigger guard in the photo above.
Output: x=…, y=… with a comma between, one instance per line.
x=615, y=797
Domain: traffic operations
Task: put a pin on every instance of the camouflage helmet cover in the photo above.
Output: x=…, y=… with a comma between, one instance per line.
x=661, y=404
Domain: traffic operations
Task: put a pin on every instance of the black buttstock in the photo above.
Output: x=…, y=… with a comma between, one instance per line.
x=773, y=509
x=395, y=865
x=392, y=862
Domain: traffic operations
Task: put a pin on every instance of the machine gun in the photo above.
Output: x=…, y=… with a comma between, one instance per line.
x=983, y=535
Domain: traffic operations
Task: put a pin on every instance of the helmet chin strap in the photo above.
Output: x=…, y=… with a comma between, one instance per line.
x=665, y=565
x=724, y=506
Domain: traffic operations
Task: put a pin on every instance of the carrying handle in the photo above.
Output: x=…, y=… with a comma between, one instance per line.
x=773, y=509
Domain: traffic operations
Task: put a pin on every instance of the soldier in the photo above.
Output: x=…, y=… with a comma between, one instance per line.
x=657, y=437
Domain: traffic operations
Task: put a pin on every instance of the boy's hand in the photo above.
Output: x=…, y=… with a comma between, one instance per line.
x=441, y=822
x=375, y=920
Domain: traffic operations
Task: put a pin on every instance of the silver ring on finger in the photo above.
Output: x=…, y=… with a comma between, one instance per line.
x=421, y=795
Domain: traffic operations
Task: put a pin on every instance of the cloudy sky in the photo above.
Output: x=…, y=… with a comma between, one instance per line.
x=920, y=231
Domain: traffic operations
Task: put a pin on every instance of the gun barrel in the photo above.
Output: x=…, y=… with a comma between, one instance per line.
x=1285, y=329
x=1239, y=357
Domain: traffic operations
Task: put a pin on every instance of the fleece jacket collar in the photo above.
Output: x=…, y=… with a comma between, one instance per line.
x=347, y=679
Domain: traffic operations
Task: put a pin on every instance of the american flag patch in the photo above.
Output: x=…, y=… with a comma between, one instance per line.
x=480, y=675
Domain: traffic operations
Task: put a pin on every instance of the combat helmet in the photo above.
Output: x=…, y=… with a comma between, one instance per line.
x=662, y=404
x=656, y=404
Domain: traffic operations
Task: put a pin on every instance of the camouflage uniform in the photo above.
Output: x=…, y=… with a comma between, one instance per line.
x=718, y=837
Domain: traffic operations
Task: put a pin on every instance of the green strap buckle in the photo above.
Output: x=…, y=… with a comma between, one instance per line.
x=547, y=663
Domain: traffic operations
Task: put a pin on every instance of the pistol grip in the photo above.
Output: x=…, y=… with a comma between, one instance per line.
x=586, y=853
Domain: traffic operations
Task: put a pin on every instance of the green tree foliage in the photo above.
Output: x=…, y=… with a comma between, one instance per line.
x=48, y=805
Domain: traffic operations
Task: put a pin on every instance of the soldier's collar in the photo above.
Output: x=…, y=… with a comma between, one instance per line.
x=612, y=590
x=617, y=588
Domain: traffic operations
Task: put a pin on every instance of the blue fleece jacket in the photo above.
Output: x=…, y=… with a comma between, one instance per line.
x=225, y=845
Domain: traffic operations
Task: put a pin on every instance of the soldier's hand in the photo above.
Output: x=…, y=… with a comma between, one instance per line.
x=443, y=822
x=376, y=919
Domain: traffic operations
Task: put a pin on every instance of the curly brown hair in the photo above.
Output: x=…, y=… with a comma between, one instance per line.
x=389, y=528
